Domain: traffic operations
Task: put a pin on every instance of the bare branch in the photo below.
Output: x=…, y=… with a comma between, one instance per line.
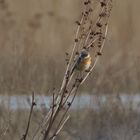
x=29, y=120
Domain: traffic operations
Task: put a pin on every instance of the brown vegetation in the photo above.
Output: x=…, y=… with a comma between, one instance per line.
x=33, y=43
x=108, y=123
x=35, y=36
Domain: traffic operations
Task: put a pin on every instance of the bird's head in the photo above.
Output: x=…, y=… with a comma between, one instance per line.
x=84, y=54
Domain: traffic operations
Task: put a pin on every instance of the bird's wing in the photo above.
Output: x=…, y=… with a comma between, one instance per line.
x=76, y=64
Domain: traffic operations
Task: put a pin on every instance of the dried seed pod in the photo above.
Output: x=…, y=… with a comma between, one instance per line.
x=69, y=103
x=67, y=60
x=92, y=33
x=99, y=53
x=76, y=40
x=90, y=10
x=103, y=37
x=84, y=47
x=85, y=3
x=97, y=33
x=102, y=4
x=66, y=53
x=76, y=53
x=103, y=14
x=91, y=37
x=86, y=12
x=66, y=91
x=78, y=23
x=91, y=45
x=34, y=103
x=99, y=24
x=87, y=70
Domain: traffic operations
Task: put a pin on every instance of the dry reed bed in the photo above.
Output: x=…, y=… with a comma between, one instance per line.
x=30, y=39
x=110, y=123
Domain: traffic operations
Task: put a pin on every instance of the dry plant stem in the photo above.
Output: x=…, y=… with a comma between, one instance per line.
x=61, y=99
x=50, y=125
x=64, y=83
x=70, y=92
x=52, y=111
x=4, y=131
x=92, y=42
x=53, y=138
x=56, y=112
x=92, y=28
x=66, y=99
x=72, y=53
x=63, y=120
x=46, y=118
x=60, y=122
x=29, y=120
x=51, y=117
x=66, y=79
x=96, y=59
x=64, y=88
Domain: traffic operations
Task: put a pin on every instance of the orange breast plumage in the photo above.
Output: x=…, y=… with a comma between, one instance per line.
x=84, y=64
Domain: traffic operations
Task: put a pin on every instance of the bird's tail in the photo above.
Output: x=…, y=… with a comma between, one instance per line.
x=71, y=74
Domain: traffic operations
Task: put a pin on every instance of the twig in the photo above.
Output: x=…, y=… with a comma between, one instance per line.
x=96, y=59
x=29, y=120
x=72, y=53
x=53, y=138
x=45, y=119
x=4, y=131
x=60, y=125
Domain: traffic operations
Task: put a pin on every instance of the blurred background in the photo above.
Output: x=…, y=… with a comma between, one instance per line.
x=34, y=36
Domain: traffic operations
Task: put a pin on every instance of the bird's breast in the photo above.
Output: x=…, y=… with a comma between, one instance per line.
x=84, y=64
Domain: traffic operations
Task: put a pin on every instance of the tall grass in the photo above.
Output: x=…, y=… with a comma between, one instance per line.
x=110, y=122
x=33, y=43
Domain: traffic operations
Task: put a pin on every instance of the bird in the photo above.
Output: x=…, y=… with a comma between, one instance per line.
x=83, y=62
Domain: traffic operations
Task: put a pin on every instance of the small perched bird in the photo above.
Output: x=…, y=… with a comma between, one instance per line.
x=83, y=62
